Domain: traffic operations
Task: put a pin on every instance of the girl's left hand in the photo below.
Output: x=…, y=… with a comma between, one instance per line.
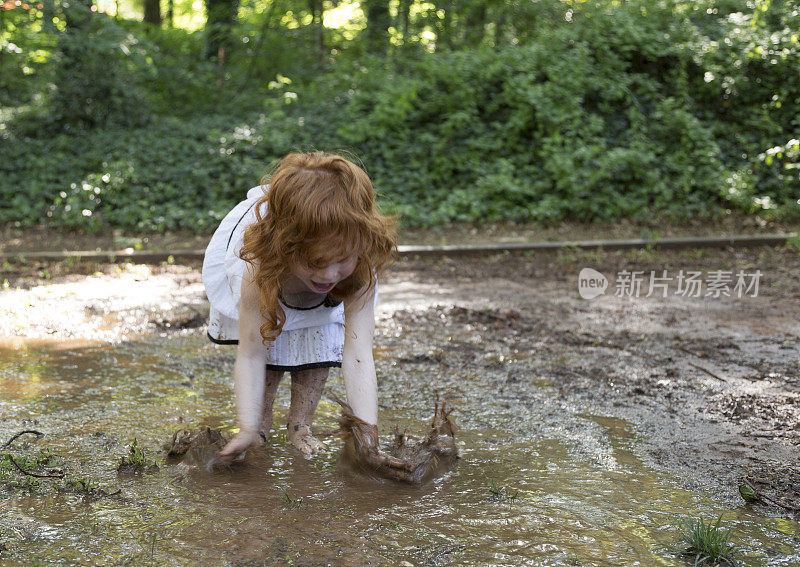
x=239, y=444
x=365, y=443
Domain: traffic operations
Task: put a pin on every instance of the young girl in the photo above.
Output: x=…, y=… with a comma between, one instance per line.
x=291, y=277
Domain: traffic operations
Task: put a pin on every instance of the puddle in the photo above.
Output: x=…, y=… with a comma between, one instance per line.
x=573, y=487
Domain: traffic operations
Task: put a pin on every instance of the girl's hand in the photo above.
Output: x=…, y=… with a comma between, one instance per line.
x=239, y=444
x=365, y=441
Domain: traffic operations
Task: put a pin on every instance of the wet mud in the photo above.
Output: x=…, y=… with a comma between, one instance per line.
x=405, y=460
x=188, y=441
x=199, y=448
x=587, y=428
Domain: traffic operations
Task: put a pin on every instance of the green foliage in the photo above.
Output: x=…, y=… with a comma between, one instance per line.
x=174, y=174
x=707, y=542
x=24, y=47
x=95, y=75
x=11, y=477
x=82, y=486
x=89, y=73
x=534, y=112
x=560, y=128
x=137, y=460
x=501, y=493
x=289, y=502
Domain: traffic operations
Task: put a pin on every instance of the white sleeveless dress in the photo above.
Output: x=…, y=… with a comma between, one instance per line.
x=311, y=337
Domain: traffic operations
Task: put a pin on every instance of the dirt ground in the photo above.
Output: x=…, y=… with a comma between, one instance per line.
x=709, y=383
x=44, y=238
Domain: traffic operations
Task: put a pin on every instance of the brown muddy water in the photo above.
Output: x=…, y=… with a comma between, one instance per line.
x=541, y=481
x=587, y=429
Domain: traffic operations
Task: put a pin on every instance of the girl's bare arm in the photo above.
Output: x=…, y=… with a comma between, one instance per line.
x=249, y=371
x=358, y=371
x=358, y=366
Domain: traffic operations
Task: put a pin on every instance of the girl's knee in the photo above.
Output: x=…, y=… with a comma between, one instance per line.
x=312, y=375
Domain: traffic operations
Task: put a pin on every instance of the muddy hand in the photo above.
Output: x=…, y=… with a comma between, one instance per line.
x=365, y=441
x=240, y=443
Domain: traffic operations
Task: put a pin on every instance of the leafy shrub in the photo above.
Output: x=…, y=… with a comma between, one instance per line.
x=173, y=174
x=608, y=110
x=95, y=82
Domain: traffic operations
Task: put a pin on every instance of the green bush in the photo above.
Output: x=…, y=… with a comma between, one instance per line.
x=96, y=74
x=609, y=110
x=173, y=174
x=575, y=125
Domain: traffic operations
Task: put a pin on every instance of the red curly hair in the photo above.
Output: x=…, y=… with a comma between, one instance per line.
x=320, y=209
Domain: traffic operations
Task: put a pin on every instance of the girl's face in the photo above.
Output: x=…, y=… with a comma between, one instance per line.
x=322, y=279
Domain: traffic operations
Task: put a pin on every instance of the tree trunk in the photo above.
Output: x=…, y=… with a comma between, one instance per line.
x=444, y=31
x=474, y=24
x=317, y=12
x=262, y=36
x=171, y=13
x=404, y=19
x=378, y=22
x=220, y=17
x=152, y=12
x=499, y=29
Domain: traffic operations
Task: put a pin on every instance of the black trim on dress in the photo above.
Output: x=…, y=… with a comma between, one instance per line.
x=320, y=304
x=295, y=368
x=221, y=341
x=310, y=366
x=237, y=225
x=327, y=301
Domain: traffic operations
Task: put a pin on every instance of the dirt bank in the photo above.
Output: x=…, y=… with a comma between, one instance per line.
x=709, y=383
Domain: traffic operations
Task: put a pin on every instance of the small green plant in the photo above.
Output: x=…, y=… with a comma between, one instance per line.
x=137, y=460
x=29, y=483
x=44, y=458
x=291, y=503
x=138, y=456
x=148, y=545
x=500, y=494
x=82, y=485
x=649, y=234
x=707, y=542
x=11, y=466
x=568, y=255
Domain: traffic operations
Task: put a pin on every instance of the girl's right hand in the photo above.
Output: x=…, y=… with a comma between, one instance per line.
x=239, y=444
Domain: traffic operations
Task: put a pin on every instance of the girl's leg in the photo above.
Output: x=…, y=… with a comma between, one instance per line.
x=270, y=387
x=307, y=386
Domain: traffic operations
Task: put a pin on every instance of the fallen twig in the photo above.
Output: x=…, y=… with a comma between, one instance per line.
x=687, y=351
x=763, y=496
x=23, y=471
x=10, y=441
x=707, y=371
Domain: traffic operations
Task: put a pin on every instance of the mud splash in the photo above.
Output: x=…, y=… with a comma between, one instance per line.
x=406, y=461
x=199, y=448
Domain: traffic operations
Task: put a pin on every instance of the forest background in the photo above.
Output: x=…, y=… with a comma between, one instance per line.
x=158, y=115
